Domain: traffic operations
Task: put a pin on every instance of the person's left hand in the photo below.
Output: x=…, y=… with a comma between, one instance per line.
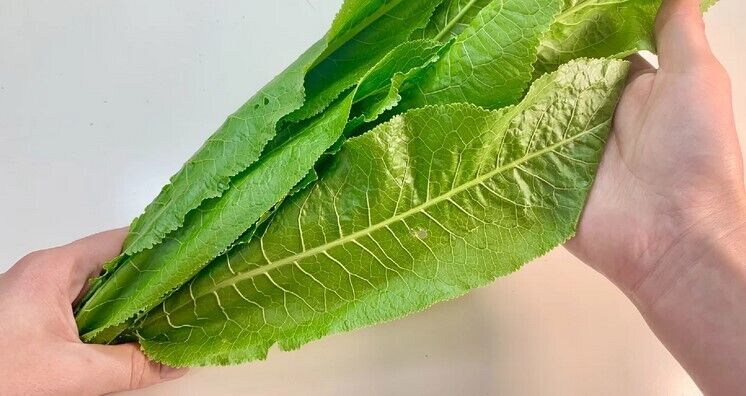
x=41, y=351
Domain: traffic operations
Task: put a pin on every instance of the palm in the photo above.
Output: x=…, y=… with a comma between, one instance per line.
x=668, y=160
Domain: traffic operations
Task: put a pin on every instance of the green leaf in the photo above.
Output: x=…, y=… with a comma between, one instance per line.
x=241, y=139
x=422, y=209
x=600, y=28
x=144, y=279
x=248, y=235
x=236, y=145
x=379, y=89
x=392, y=23
x=706, y=4
x=450, y=19
x=491, y=62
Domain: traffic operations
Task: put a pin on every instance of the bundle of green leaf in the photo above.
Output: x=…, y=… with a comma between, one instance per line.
x=409, y=156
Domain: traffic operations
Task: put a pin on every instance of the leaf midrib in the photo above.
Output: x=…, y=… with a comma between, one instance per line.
x=453, y=22
x=369, y=230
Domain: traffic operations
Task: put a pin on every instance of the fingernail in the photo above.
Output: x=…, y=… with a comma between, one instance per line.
x=169, y=373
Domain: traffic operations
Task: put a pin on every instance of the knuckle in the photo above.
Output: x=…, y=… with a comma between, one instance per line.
x=31, y=266
x=34, y=257
x=38, y=270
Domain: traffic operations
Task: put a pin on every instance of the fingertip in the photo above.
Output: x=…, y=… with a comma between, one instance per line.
x=87, y=256
x=680, y=36
x=93, y=250
x=671, y=9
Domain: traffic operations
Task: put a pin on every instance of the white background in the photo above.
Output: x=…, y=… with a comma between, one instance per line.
x=101, y=101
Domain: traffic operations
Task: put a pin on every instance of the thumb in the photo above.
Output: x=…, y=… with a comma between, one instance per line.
x=680, y=36
x=124, y=367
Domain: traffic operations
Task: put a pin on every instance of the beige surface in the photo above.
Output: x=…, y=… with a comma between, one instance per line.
x=100, y=101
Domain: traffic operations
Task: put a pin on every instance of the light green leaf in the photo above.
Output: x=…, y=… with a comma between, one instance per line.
x=422, y=209
x=600, y=28
x=706, y=4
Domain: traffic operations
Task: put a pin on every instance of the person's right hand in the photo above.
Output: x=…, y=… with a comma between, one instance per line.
x=673, y=161
x=666, y=218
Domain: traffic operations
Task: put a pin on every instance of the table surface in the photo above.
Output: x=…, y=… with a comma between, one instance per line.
x=101, y=101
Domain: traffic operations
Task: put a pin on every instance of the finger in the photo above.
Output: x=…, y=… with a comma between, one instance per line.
x=124, y=367
x=680, y=36
x=87, y=256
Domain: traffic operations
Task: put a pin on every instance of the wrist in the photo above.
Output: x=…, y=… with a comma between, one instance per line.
x=693, y=299
x=712, y=242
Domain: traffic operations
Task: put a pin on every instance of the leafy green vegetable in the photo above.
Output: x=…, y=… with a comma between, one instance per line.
x=397, y=163
x=487, y=64
x=421, y=209
x=142, y=280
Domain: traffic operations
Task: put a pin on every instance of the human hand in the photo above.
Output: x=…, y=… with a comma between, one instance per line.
x=672, y=167
x=666, y=218
x=38, y=335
